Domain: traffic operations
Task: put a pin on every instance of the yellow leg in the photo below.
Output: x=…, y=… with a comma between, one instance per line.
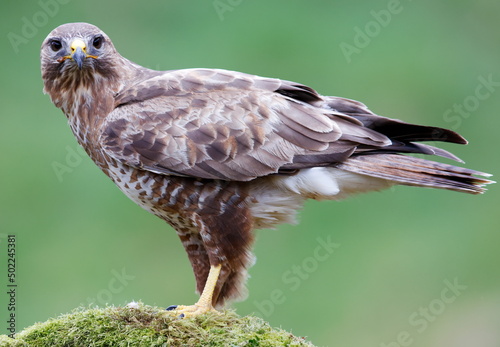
x=204, y=304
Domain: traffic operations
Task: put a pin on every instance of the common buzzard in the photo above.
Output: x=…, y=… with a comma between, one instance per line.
x=217, y=154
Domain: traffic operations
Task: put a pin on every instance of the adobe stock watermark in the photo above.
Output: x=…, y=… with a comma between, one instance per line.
x=31, y=24
x=116, y=284
x=463, y=110
x=364, y=36
x=223, y=6
x=293, y=278
x=420, y=319
x=73, y=158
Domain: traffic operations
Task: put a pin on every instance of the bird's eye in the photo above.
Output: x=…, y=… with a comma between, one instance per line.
x=55, y=45
x=97, y=42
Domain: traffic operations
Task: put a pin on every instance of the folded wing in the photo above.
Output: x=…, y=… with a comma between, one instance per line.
x=217, y=124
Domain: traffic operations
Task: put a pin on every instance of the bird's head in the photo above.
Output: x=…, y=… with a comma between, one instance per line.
x=77, y=55
x=76, y=46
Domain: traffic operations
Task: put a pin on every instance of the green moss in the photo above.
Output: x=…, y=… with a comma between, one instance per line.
x=151, y=326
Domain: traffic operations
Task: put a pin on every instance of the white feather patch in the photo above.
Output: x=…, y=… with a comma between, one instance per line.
x=276, y=199
x=313, y=183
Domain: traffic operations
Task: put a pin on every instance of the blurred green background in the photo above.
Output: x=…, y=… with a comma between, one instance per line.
x=81, y=241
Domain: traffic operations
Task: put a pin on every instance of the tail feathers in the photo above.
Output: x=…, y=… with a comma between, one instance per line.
x=413, y=171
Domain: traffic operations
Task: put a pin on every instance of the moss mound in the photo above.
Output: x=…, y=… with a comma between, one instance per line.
x=142, y=325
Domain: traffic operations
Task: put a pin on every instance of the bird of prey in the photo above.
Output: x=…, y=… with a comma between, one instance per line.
x=217, y=153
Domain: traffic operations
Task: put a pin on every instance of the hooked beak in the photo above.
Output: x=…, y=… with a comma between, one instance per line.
x=78, y=53
x=79, y=56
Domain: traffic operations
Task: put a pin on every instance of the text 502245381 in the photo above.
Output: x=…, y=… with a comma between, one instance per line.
x=11, y=284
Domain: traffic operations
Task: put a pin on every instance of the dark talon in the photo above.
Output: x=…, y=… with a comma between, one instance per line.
x=171, y=308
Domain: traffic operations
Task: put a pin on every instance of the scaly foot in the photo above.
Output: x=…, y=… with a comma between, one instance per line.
x=183, y=311
x=203, y=305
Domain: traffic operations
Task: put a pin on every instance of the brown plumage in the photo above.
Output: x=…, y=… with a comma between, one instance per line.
x=218, y=153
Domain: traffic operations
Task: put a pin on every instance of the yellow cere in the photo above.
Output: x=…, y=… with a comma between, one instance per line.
x=77, y=43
